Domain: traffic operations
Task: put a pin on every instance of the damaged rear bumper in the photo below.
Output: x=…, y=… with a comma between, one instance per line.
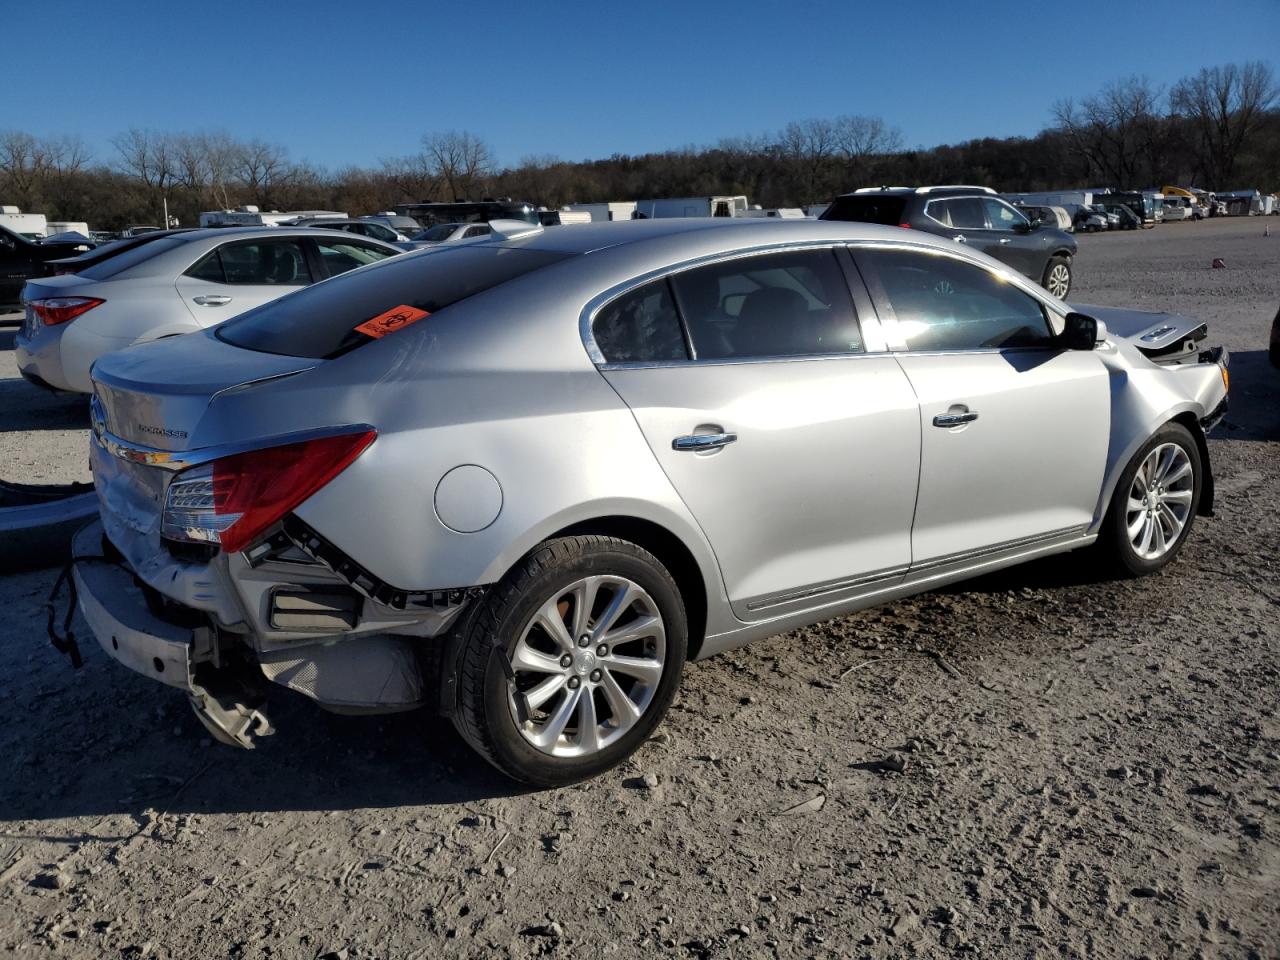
x=174, y=654
x=223, y=675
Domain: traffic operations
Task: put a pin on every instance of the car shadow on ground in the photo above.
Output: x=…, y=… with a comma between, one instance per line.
x=24, y=406
x=127, y=757
x=1254, y=413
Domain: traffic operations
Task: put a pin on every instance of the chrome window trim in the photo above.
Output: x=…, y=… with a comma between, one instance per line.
x=601, y=300
x=736, y=361
x=178, y=460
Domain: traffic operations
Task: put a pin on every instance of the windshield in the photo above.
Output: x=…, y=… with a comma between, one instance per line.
x=441, y=231
x=130, y=258
x=320, y=321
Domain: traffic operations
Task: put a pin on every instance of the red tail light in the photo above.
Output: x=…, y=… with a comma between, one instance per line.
x=54, y=310
x=232, y=501
x=905, y=226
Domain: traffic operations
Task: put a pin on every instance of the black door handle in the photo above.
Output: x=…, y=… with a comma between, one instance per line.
x=955, y=419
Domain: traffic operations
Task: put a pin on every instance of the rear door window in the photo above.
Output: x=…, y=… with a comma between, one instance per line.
x=794, y=303
x=320, y=322
x=276, y=262
x=963, y=213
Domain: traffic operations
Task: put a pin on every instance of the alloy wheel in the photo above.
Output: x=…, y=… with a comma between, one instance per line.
x=1059, y=280
x=586, y=666
x=1160, y=501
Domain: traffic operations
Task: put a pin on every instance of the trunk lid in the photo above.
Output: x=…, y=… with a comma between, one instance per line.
x=156, y=394
x=1163, y=337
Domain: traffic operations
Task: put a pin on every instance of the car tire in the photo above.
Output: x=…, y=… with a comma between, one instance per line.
x=1057, y=277
x=1153, y=475
x=508, y=658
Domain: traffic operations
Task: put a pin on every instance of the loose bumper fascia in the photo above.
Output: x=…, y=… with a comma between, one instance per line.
x=124, y=626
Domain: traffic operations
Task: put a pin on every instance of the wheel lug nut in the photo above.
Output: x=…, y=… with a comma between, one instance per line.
x=602, y=651
x=573, y=683
x=566, y=661
x=584, y=641
x=595, y=676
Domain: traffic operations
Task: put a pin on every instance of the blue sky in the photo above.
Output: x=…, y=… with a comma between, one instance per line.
x=350, y=82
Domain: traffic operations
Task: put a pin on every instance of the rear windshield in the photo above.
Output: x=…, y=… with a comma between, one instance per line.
x=870, y=208
x=131, y=258
x=319, y=322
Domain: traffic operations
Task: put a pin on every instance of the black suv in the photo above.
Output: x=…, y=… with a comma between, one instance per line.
x=21, y=260
x=973, y=216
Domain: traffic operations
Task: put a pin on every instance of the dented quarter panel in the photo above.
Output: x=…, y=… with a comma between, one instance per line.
x=1144, y=397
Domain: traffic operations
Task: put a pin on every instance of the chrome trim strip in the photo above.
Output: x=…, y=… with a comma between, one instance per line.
x=175, y=460
x=734, y=361
x=964, y=555
x=764, y=603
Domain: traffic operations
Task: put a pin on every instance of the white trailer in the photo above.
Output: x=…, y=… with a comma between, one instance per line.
x=1060, y=198
x=691, y=207
x=33, y=226
x=599, y=212
x=66, y=226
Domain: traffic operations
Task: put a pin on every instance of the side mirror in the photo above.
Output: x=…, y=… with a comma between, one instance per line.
x=1081, y=332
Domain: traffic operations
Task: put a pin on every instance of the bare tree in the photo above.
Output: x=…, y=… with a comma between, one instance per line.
x=411, y=178
x=19, y=165
x=1226, y=105
x=262, y=168
x=460, y=160
x=810, y=146
x=1112, y=129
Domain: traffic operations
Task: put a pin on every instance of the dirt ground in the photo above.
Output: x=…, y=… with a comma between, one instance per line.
x=1090, y=768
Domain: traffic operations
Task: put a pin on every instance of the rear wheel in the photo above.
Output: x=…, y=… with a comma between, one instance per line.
x=1057, y=277
x=570, y=662
x=1154, y=503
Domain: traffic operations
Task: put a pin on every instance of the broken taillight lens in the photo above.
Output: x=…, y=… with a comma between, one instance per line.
x=55, y=310
x=233, y=500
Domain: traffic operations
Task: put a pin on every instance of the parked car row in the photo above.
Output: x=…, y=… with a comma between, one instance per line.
x=523, y=479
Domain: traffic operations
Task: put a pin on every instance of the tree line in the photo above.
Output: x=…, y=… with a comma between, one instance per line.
x=1218, y=129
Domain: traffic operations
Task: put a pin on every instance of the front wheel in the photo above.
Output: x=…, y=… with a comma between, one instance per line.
x=569, y=663
x=1057, y=277
x=1154, y=504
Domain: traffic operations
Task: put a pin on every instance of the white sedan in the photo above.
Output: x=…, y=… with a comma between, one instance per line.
x=180, y=283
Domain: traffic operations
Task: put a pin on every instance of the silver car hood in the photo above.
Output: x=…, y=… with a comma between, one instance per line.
x=155, y=394
x=1152, y=333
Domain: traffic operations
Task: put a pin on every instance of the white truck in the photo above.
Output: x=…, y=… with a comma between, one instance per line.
x=33, y=226
x=691, y=207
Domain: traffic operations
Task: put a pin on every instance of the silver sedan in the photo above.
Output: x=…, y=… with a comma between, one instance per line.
x=188, y=280
x=521, y=481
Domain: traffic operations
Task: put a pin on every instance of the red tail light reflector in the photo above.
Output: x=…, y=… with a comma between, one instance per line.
x=235, y=499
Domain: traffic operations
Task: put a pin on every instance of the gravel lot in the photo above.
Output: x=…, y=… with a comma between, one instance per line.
x=1090, y=768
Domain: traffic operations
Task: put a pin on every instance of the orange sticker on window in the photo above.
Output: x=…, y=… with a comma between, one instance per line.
x=391, y=321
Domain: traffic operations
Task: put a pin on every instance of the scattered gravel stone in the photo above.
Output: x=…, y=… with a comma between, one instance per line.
x=51, y=880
